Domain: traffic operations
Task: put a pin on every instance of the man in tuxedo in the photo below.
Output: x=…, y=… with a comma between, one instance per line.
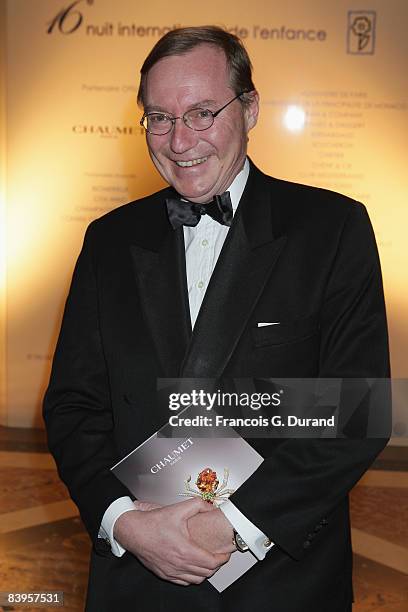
x=272, y=280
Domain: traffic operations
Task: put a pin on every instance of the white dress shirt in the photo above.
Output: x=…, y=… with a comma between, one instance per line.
x=203, y=244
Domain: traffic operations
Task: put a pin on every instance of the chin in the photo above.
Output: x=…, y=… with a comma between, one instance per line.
x=192, y=193
x=192, y=189
x=194, y=184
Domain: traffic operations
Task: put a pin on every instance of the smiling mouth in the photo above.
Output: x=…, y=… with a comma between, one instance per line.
x=192, y=162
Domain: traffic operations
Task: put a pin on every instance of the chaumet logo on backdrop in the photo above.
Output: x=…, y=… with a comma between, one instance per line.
x=69, y=18
x=108, y=131
x=361, y=32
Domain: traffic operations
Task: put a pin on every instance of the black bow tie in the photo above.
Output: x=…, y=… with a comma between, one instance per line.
x=187, y=213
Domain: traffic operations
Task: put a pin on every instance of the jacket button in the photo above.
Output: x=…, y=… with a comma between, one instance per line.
x=306, y=544
x=324, y=522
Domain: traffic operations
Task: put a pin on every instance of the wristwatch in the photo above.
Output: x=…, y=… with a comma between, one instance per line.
x=239, y=542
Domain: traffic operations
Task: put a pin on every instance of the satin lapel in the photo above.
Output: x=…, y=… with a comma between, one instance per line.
x=161, y=280
x=250, y=251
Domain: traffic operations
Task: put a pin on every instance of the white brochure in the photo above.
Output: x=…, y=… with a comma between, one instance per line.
x=162, y=468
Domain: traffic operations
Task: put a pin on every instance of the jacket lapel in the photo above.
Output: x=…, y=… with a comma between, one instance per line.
x=161, y=279
x=249, y=254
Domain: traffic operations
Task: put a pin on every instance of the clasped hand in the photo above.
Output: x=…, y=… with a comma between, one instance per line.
x=184, y=543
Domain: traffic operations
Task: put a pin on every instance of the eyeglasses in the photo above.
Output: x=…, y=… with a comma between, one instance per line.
x=198, y=119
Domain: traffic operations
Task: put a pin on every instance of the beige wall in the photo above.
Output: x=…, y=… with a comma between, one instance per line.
x=3, y=175
x=74, y=148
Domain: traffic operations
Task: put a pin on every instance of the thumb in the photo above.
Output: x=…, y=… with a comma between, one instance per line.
x=194, y=506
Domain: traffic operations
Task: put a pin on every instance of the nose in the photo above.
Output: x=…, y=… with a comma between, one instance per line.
x=182, y=138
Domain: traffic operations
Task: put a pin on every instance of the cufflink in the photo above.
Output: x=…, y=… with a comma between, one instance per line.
x=267, y=543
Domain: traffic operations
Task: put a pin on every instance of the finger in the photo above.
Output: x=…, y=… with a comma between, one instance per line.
x=190, y=579
x=201, y=558
x=222, y=558
x=204, y=572
x=216, y=561
x=227, y=549
x=206, y=558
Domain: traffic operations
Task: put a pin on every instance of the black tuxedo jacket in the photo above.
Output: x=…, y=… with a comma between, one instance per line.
x=302, y=256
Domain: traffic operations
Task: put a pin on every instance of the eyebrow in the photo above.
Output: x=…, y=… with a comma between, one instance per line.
x=200, y=104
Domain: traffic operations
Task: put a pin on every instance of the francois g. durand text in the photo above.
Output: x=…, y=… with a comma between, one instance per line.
x=259, y=421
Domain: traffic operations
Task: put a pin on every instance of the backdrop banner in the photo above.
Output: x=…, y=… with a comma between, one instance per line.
x=332, y=77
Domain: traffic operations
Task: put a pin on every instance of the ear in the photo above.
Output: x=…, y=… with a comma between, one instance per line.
x=252, y=110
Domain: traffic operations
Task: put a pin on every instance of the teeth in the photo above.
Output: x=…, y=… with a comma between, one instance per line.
x=193, y=162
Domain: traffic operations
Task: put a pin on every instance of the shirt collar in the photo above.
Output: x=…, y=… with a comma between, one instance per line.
x=237, y=186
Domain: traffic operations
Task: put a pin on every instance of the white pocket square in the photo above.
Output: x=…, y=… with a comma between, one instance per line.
x=265, y=324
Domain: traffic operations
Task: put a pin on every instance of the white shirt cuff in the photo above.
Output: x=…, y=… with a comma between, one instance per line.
x=115, y=510
x=259, y=544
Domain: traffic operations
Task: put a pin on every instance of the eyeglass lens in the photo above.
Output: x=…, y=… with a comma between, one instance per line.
x=197, y=119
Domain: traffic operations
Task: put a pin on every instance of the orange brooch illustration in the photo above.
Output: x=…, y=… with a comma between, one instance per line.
x=207, y=485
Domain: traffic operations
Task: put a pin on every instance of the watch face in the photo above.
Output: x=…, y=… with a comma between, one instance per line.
x=240, y=543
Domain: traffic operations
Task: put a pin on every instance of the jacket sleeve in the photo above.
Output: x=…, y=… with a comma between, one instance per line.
x=298, y=488
x=77, y=407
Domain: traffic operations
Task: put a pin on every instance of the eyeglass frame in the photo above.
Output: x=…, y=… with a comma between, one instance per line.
x=174, y=119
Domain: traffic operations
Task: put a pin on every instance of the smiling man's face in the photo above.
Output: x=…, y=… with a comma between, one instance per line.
x=202, y=164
